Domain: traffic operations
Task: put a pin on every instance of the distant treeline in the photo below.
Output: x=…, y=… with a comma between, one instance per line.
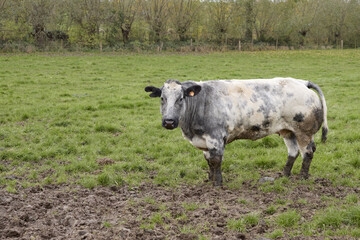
x=177, y=25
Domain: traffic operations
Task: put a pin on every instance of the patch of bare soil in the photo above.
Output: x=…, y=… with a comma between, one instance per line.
x=74, y=212
x=105, y=161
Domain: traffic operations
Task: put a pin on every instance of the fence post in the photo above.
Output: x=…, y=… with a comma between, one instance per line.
x=239, y=45
x=341, y=44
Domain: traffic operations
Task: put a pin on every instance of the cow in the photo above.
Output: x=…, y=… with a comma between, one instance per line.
x=214, y=113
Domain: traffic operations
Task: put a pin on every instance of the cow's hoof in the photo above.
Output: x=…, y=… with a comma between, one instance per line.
x=304, y=175
x=217, y=184
x=287, y=173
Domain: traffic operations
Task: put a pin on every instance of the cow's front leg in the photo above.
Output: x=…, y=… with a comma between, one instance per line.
x=214, y=159
x=211, y=168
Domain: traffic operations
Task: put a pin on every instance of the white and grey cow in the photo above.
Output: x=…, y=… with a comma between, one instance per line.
x=214, y=113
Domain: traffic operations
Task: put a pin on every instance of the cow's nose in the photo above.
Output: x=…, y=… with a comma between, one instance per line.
x=169, y=123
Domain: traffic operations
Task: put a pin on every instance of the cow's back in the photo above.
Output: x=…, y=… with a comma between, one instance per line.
x=252, y=109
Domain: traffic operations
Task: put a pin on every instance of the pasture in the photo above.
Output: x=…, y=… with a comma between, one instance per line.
x=82, y=150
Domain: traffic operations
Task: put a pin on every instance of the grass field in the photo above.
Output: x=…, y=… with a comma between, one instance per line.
x=85, y=119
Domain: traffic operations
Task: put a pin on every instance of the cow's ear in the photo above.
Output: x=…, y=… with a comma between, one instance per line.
x=192, y=91
x=156, y=92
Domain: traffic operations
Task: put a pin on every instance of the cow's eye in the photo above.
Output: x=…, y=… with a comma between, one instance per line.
x=180, y=100
x=162, y=99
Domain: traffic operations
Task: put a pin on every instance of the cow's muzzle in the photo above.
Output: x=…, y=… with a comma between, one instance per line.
x=169, y=123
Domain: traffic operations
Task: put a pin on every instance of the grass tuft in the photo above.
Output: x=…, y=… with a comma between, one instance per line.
x=332, y=217
x=236, y=225
x=277, y=233
x=107, y=128
x=288, y=219
x=270, y=210
x=355, y=163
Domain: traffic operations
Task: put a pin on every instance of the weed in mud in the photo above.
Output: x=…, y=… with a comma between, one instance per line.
x=236, y=225
x=352, y=198
x=107, y=224
x=332, y=217
x=11, y=187
x=103, y=179
x=277, y=233
x=149, y=226
x=242, y=201
x=251, y=220
x=280, y=201
x=190, y=206
x=88, y=182
x=354, y=233
x=270, y=210
x=240, y=225
x=181, y=217
x=187, y=229
x=150, y=200
x=273, y=187
x=156, y=218
x=302, y=201
x=288, y=219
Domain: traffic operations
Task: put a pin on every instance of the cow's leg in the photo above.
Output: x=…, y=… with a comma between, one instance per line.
x=307, y=153
x=214, y=156
x=293, y=153
x=214, y=161
x=211, y=168
x=215, y=164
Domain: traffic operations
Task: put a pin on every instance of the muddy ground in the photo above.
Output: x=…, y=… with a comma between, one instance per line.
x=74, y=212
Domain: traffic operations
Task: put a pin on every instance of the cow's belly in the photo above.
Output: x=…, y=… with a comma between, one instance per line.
x=255, y=130
x=248, y=134
x=205, y=142
x=199, y=142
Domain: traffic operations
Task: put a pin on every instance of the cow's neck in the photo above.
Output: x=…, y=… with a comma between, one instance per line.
x=191, y=120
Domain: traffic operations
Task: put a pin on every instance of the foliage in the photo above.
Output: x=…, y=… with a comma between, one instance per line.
x=157, y=24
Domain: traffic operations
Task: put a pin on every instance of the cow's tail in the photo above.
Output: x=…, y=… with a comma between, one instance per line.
x=325, y=128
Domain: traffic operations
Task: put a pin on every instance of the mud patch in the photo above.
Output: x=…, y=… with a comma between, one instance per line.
x=105, y=161
x=152, y=212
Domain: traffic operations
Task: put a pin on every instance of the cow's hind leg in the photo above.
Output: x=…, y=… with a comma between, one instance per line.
x=293, y=152
x=307, y=153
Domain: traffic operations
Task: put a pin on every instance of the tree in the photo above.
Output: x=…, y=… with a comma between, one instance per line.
x=183, y=13
x=39, y=14
x=250, y=19
x=88, y=15
x=335, y=17
x=220, y=15
x=303, y=19
x=264, y=15
x=156, y=14
x=353, y=20
x=281, y=29
x=125, y=14
x=2, y=5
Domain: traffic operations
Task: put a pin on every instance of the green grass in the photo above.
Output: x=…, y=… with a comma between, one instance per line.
x=337, y=217
x=59, y=114
x=190, y=206
x=270, y=210
x=288, y=219
x=240, y=225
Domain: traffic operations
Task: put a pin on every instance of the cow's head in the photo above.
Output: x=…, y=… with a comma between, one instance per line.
x=173, y=94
